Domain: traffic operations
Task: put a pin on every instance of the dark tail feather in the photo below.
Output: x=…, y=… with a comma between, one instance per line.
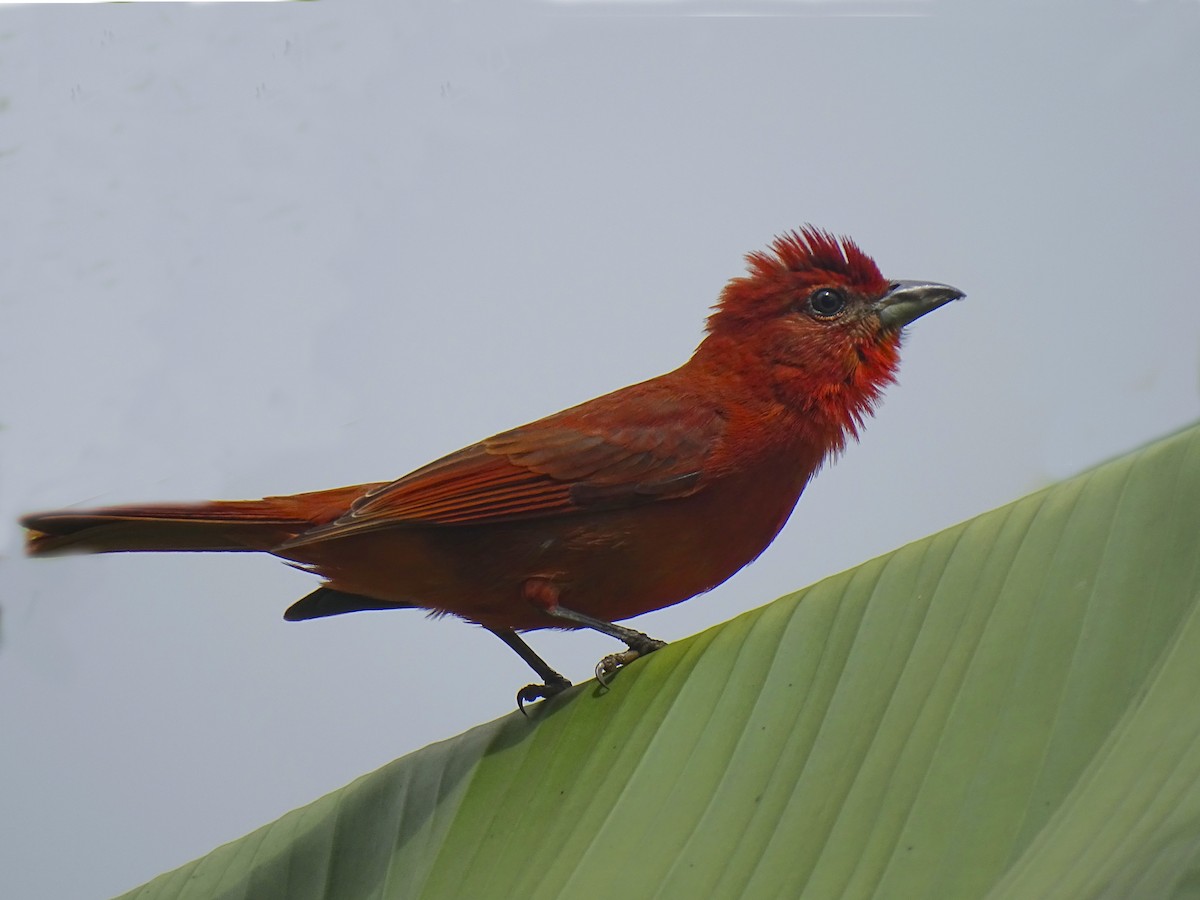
x=227, y=525
x=329, y=602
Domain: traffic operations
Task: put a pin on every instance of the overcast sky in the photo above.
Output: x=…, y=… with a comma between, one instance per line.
x=260, y=249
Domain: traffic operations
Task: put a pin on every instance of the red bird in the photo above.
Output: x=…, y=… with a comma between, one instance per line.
x=628, y=503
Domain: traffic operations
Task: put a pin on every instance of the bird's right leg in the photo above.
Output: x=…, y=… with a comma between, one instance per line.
x=544, y=593
x=639, y=644
x=552, y=682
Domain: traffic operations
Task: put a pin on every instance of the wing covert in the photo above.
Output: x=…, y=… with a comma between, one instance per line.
x=612, y=452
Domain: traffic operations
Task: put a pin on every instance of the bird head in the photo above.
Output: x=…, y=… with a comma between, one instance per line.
x=816, y=323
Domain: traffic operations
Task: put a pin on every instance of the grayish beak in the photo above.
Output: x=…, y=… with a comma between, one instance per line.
x=907, y=301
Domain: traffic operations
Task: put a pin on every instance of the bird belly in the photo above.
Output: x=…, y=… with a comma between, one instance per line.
x=611, y=565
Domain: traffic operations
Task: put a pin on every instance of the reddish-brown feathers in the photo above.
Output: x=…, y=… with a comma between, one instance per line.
x=627, y=503
x=813, y=249
x=798, y=259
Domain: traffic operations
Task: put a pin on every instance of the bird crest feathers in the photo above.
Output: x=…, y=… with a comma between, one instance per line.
x=795, y=259
x=812, y=248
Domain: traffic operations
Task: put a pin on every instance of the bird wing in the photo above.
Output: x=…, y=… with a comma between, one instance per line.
x=613, y=452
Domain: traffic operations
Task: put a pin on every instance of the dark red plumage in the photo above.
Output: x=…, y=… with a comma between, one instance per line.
x=627, y=503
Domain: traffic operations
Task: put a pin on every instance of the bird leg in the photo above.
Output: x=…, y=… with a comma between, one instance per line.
x=639, y=644
x=552, y=682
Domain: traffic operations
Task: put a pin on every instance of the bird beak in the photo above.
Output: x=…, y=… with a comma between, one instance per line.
x=907, y=301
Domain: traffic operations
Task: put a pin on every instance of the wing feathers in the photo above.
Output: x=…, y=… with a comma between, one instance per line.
x=567, y=463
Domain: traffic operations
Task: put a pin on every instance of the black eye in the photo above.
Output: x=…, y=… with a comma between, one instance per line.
x=826, y=303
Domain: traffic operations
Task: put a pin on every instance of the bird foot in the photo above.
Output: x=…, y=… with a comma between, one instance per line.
x=532, y=692
x=608, y=666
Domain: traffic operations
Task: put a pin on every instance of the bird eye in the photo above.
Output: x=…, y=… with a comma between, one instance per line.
x=826, y=303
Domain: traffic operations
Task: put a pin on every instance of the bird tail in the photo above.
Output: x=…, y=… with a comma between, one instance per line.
x=220, y=525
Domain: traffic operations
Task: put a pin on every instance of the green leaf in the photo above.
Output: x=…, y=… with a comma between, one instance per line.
x=1006, y=709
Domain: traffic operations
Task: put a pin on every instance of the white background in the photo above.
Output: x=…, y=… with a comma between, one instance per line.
x=253, y=250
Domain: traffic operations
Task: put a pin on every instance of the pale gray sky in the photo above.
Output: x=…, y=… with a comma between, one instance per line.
x=258, y=249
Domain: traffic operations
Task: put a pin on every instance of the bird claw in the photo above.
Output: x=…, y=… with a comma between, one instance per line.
x=608, y=666
x=532, y=692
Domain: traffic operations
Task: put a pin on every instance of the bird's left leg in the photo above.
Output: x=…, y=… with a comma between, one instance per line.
x=552, y=682
x=639, y=644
